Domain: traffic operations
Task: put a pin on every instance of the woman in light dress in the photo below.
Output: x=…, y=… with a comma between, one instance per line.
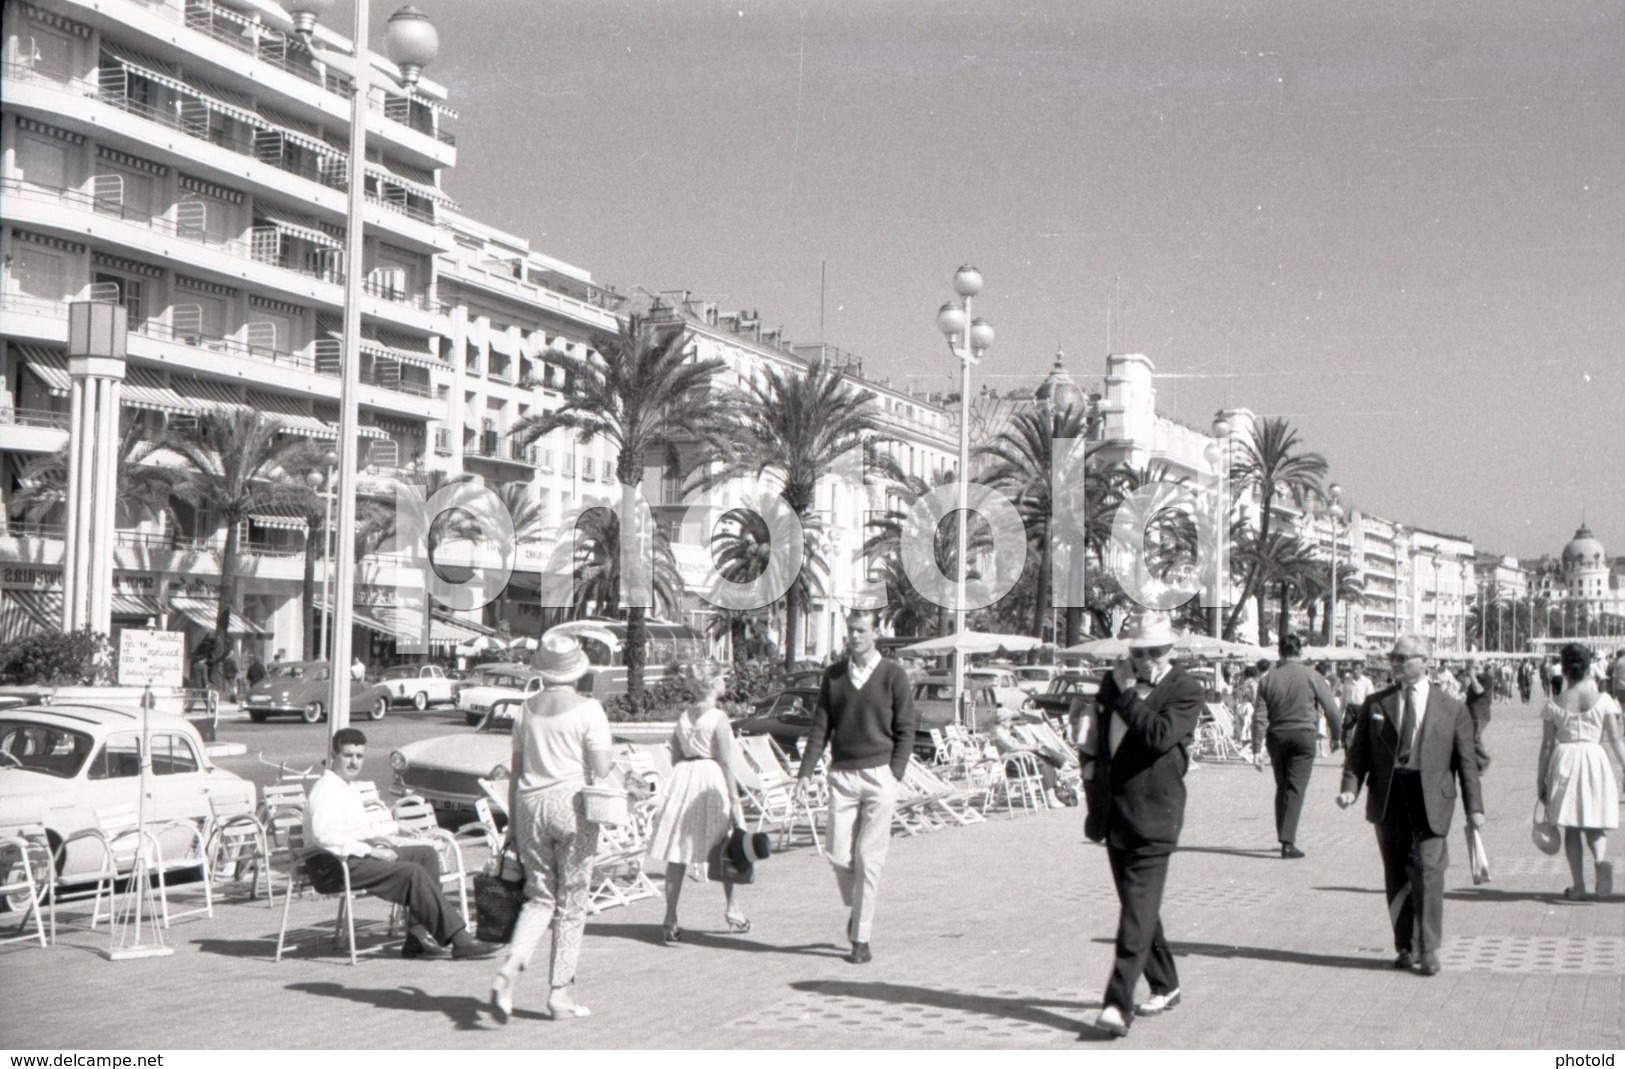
x=1576, y=780
x=699, y=806
x=561, y=742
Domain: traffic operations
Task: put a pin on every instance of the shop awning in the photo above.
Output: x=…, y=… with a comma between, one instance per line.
x=143, y=388
x=30, y=612
x=208, y=394
x=363, y=616
x=143, y=605
x=50, y=366
x=201, y=611
x=443, y=630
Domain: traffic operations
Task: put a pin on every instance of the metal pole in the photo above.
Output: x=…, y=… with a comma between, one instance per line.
x=324, y=630
x=964, y=355
x=338, y=705
x=1331, y=633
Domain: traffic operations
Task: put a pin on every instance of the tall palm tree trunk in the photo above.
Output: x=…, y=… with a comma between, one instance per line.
x=228, y=597
x=1041, y=595
x=792, y=630
x=309, y=591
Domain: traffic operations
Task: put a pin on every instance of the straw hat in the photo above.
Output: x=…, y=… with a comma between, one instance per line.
x=1148, y=630
x=560, y=659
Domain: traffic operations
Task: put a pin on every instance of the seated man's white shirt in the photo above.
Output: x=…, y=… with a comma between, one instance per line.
x=336, y=819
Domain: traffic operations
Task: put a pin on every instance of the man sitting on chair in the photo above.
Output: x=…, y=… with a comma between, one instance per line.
x=341, y=835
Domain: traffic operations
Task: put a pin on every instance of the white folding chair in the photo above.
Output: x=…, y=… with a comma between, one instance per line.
x=26, y=875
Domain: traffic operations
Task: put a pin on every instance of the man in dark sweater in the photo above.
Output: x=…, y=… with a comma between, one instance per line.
x=865, y=714
x=1292, y=697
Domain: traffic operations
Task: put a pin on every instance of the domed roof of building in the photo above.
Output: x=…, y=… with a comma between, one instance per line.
x=1584, y=548
x=1058, y=388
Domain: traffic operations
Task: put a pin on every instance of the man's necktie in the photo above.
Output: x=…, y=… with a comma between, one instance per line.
x=1407, y=729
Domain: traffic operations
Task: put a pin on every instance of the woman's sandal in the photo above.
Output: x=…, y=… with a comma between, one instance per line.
x=568, y=1010
x=501, y=998
x=737, y=925
x=670, y=934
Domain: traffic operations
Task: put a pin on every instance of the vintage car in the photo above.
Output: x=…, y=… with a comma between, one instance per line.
x=787, y=716
x=299, y=688
x=445, y=770
x=420, y=685
x=934, y=708
x=60, y=764
x=1035, y=678
x=1064, y=688
x=479, y=693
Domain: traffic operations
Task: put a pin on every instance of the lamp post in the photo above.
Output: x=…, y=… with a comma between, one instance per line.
x=97, y=333
x=968, y=339
x=1336, y=515
x=324, y=485
x=1218, y=453
x=410, y=42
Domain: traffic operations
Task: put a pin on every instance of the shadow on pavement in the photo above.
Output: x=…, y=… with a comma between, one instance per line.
x=650, y=934
x=1232, y=851
x=313, y=947
x=1351, y=890
x=1490, y=894
x=1290, y=957
x=464, y=1011
x=1030, y=1011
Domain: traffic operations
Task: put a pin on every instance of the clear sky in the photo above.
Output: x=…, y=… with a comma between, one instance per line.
x=1400, y=225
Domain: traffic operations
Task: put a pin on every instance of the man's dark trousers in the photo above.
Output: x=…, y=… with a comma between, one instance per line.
x=1413, y=865
x=1292, y=756
x=413, y=882
x=1140, y=875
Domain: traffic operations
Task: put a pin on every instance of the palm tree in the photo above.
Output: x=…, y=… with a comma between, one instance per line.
x=1272, y=464
x=742, y=548
x=596, y=567
x=240, y=463
x=1024, y=464
x=1317, y=592
x=794, y=427
x=884, y=545
x=143, y=485
x=1279, y=559
x=643, y=391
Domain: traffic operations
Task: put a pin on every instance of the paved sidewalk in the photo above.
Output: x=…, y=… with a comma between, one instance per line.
x=997, y=935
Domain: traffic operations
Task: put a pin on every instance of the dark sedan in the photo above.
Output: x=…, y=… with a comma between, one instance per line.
x=299, y=688
x=1057, y=699
x=787, y=716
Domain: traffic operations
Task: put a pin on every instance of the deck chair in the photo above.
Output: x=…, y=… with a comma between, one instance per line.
x=26, y=875
x=770, y=792
x=299, y=884
x=618, y=876
x=955, y=804
x=1022, y=784
x=414, y=818
x=237, y=845
x=916, y=809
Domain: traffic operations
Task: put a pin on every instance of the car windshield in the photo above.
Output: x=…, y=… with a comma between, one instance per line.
x=1032, y=673
x=286, y=671
x=399, y=673
x=42, y=748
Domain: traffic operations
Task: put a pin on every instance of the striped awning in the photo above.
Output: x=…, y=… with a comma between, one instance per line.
x=362, y=616
x=50, y=366
x=417, y=189
x=145, y=388
x=207, y=393
x=285, y=518
x=135, y=605
x=201, y=611
x=233, y=105
x=298, y=226
x=30, y=612
x=443, y=630
x=288, y=412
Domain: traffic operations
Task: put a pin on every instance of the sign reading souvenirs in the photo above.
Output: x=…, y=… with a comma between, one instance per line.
x=151, y=658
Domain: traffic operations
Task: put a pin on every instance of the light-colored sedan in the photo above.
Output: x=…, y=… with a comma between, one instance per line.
x=490, y=684
x=1035, y=678
x=445, y=770
x=61, y=764
x=420, y=685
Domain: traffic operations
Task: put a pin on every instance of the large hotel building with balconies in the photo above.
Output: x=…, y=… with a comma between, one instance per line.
x=188, y=159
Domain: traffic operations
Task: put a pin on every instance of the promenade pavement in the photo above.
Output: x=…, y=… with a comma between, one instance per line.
x=997, y=935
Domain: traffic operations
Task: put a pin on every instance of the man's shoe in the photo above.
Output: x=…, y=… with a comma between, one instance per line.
x=1290, y=852
x=474, y=950
x=860, y=954
x=1158, y=1004
x=1112, y=1022
x=1429, y=965
x=1405, y=960
x=417, y=948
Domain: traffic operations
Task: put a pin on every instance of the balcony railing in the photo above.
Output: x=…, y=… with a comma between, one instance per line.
x=425, y=301
x=332, y=176
x=260, y=251
x=19, y=529
x=216, y=343
x=33, y=417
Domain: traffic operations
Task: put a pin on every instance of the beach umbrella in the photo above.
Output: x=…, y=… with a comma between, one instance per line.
x=1099, y=648
x=974, y=642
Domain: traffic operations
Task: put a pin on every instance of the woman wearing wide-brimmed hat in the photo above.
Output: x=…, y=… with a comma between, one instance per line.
x=699, y=805
x=561, y=739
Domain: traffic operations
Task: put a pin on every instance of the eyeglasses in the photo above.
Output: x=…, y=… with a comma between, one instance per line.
x=1402, y=657
x=1149, y=654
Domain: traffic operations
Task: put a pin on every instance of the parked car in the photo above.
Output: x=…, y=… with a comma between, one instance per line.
x=1064, y=688
x=421, y=685
x=478, y=694
x=787, y=716
x=1035, y=678
x=299, y=688
x=1003, y=683
x=445, y=770
x=934, y=708
x=59, y=764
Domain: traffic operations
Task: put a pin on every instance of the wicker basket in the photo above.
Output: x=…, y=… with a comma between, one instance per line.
x=605, y=804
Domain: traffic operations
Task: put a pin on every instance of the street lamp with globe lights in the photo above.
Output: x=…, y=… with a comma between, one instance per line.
x=969, y=339
x=1335, y=512
x=410, y=42
x=1217, y=453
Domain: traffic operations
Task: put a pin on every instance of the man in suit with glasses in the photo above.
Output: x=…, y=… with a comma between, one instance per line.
x=1412, y=743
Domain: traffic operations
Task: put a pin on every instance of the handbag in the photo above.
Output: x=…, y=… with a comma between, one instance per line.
x=498, y=898
x=1477, y=860
x=1544, y=832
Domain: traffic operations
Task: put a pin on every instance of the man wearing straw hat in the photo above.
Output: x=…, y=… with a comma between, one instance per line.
x=1146, y=715
x=865, y=713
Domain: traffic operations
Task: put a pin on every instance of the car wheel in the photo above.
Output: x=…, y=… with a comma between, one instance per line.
x=256, y=716
x=380, y=706
x=420, y=700
x=312, y=713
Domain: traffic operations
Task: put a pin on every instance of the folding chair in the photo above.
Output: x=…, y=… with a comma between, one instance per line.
x=26, y=870
x=618, y=876
x=237, y=843
x=955, y=803
x=1022, y=782
x=299, y=882
x=414, y=818
x=770, y=791
x=119, y=845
